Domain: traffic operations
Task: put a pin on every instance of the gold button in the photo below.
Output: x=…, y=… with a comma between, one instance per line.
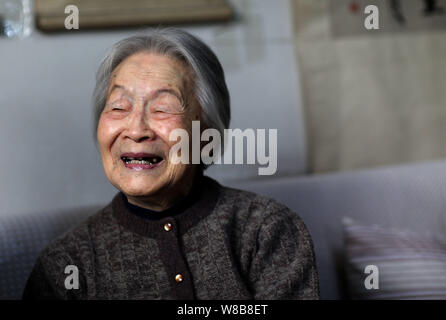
x=168, y=226
x=179, y=278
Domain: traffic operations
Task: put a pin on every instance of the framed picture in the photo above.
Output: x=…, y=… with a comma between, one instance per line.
x=51, y=15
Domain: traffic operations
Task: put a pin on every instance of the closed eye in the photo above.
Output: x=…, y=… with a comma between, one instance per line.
x=168, y=109
x=119, y=107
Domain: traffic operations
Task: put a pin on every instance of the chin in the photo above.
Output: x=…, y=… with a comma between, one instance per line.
x=140, y=189
x=139, y=192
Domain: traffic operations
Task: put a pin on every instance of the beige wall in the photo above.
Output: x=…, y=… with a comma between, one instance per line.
x=369, y=100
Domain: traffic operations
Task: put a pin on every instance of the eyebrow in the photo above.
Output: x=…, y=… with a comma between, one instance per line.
x=154, y=95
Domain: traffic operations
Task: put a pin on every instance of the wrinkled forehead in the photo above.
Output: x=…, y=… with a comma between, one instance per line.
x=144, y=72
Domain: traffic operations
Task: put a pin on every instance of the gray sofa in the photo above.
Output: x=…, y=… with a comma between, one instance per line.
x=409, y=197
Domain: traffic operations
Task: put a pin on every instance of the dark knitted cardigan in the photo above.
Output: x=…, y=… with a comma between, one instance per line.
x=228, y=244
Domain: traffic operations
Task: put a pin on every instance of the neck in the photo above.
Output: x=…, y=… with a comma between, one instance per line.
x=168, y=196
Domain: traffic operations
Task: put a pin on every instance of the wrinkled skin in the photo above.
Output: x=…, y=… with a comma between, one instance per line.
x=149, y=96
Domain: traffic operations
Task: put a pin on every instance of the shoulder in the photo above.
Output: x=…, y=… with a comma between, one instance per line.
x=73, y=248
x=268, y=238
x=259, y=213
x=68, y=248
x=258, y=206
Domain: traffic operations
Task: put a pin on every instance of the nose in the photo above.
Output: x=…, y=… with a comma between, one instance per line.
x=139, y=128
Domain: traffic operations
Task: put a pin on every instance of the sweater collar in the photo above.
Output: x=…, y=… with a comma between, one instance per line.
x=176, y=209
x=199, y=203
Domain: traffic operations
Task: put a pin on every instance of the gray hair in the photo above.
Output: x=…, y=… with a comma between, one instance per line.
x=209, y=81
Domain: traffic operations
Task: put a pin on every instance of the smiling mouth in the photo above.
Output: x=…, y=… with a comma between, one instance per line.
x=141, y=161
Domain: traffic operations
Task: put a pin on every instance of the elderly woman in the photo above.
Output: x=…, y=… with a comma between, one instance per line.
x=171, y=232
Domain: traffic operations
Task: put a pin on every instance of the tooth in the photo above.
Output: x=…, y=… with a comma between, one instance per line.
x=129, y=160
x=137, y=162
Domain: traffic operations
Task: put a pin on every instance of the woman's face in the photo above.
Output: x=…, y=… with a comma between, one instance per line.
x=149, y=96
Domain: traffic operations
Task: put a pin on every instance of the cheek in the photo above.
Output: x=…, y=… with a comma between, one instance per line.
x=106, y=134
x=165, y=127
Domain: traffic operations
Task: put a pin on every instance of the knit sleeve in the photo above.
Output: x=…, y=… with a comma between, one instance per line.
x=38, y=286
x=283, y=266
x=50, y=277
